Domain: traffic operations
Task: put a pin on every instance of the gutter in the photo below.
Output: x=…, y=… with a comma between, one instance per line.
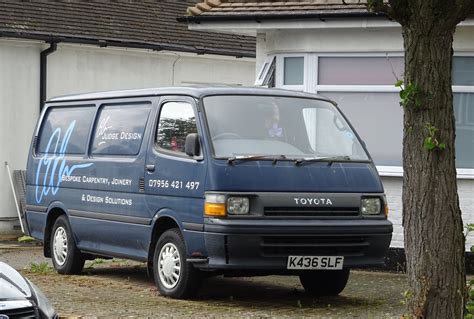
x=125, y=44
x=43, y=72
x=282, y=16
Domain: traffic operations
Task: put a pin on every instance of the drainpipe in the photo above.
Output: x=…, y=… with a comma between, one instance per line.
x=43, y=71
x=174, y=64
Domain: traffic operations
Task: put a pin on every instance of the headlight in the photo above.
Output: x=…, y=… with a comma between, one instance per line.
x=47, y=311
x=221, y=205
x=370, y=206
x=238, y=205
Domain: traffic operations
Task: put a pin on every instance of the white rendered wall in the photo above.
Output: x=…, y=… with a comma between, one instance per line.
x=74, y=69
x=19, y=96
x=368, y=40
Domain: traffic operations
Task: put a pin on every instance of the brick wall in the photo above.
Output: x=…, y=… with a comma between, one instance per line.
x=393, y=189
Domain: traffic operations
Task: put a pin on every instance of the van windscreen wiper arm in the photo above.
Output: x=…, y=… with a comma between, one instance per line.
x=329, y=159
x=274, y=158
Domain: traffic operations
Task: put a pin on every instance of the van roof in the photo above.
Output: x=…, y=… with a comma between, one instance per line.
x=195, y=91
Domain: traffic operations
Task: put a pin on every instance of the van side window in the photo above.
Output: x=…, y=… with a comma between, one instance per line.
x=177, y=120
x=65, y=130
x=119, y=129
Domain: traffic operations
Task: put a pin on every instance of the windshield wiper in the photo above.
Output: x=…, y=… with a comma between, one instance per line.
x=273, y=158
x=329, y=159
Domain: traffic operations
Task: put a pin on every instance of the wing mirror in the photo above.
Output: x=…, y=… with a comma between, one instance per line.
x=192, y=146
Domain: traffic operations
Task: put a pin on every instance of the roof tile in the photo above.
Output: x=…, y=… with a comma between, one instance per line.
x=150, y=23
x=278, y=7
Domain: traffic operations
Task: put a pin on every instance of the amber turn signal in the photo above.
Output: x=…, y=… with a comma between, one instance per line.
x=215, y=205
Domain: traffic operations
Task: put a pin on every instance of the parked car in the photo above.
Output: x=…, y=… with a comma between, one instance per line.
x=194, y=181
x=20, y=298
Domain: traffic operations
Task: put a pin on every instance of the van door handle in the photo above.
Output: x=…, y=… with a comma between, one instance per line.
x=150, y=167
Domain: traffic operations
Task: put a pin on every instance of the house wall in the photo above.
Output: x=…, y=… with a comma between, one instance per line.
x=387, y=39
x=19, y=95
x=75, y=69
x=78, y=68
x=371, y=41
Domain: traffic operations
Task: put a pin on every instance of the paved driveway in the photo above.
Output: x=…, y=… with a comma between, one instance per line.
x=118, y=288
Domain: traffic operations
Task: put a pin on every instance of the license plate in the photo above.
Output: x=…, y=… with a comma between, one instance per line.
x=315, y=262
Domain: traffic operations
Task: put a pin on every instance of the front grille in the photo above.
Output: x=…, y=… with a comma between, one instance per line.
x=28, y=312
x=335, y=245
x=311, y=211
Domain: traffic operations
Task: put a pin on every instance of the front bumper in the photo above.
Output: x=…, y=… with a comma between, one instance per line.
x=250, y=244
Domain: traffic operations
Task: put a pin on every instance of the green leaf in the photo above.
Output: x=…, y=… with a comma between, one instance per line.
x=470, y=307
x=429, y=145
x=25, y=239
x=403, y=94
x=442, y=146
x=399, y=83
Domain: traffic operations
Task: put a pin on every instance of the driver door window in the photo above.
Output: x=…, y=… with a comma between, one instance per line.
x=177, y=120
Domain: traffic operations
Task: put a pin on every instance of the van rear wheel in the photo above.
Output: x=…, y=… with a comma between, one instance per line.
x=67, y=259
x=324, y=282
x=174, y=277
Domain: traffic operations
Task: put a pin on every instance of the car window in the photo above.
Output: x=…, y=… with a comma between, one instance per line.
x=65, y=130
x=119, y=129
x=177, y=120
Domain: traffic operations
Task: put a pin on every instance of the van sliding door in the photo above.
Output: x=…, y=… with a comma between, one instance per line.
x=111, y=215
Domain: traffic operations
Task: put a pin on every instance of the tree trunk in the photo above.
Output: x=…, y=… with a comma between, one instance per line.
x=434, y=240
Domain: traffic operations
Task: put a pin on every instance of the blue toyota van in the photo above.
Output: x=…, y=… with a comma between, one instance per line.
x=206, y=181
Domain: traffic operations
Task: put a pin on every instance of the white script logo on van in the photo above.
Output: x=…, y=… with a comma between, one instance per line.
x=104, y=133
x=103, y=128
x=53, y=167
x=312, y=201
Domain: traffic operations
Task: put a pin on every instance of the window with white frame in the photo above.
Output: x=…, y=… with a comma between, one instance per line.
x=363, y=87
x=291, y=71
x=266, y=75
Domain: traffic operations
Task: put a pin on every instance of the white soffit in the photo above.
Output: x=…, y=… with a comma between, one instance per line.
x=253, y=27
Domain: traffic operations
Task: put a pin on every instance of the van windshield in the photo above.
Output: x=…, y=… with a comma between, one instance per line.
x=259, y=127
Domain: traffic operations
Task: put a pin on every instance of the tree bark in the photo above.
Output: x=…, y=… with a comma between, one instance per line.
x=433, y=229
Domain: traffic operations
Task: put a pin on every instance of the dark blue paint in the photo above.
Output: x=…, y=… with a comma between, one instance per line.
x=285, y=176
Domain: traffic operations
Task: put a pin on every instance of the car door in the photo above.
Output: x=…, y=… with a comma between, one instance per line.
x=110, y=214
x=174, y=181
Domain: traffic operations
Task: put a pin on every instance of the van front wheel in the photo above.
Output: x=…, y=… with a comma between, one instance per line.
x=67, y=259
x=324, y=282
x=174, y=277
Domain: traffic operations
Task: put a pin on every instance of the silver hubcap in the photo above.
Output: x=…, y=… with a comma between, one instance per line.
x=169, y=265
x=60, y=246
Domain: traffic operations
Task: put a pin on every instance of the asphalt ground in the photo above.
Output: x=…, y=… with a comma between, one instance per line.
x=121, y=289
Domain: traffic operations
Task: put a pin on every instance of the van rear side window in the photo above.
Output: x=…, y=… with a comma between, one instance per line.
x=119, y=129
x=65, y=130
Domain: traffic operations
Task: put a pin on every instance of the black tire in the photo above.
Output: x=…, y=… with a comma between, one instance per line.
x=172, y=282
x=67, y=259
x=324, y=282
